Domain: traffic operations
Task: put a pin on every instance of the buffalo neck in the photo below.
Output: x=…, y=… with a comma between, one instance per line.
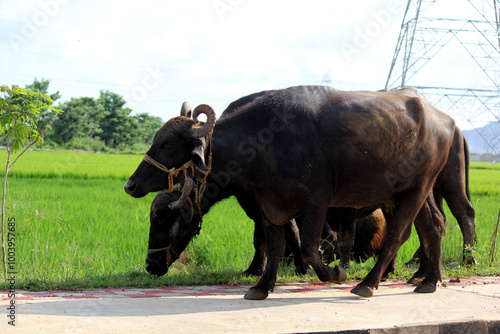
x=230, y=154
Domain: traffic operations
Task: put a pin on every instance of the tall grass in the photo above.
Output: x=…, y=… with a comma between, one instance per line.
x=74, y=228
x=227, y=225
x=77, y=228
x=77, y=165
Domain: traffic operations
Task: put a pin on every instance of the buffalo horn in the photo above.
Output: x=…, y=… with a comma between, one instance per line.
x=186, y=109
x=186, y=191
x=205, y=129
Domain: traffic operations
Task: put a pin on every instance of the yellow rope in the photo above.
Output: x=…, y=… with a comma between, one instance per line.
x=171, y=253
x=201, y=183
x=172, y=172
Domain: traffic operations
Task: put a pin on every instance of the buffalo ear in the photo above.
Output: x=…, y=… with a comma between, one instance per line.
x=198, y=156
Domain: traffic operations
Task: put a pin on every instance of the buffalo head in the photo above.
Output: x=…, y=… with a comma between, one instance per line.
x=170, y=232
x=178, y=150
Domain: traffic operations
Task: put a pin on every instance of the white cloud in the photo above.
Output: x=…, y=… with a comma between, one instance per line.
x=158, y=53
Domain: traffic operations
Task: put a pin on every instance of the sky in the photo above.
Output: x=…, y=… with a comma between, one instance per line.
x=157, y=54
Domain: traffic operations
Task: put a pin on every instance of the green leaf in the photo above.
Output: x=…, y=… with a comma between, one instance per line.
x=20, y=109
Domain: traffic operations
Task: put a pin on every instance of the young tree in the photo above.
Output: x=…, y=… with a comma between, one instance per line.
x=19, y=111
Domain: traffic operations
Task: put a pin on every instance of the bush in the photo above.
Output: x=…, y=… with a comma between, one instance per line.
x=98, y=145
x=78, y=143
x=83, y=143
x=139, y=147
x=49, y=145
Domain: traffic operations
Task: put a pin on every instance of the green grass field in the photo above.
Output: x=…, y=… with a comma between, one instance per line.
x=76, y=228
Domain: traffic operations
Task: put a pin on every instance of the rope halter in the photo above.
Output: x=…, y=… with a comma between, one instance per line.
x=171, y=253
x=172, y=172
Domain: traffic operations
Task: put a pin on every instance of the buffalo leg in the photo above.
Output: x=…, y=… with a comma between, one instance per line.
x=430, y=227
x=438, y=199
x=465, y=214
x=391, y=268
x=347, y=228
x=275, y=241
x=256, y=267
x=329, y=248
x=423, y=229
x=312, y=226
x=292, y=237
x=453, y=184
x=399, y=222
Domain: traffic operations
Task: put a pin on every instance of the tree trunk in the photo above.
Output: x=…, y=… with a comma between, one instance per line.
x=4, y=255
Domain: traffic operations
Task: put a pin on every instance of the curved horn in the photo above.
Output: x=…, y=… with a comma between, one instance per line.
x=186, y=109
x=198, y=132
x=186, y=191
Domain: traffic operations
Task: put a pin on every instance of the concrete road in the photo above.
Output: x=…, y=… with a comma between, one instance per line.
x=472, y=306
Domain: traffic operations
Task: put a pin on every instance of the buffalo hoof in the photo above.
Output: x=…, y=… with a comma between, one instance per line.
x=426, y=287
x=362, y=290
x=256, y=294
x=340, y=275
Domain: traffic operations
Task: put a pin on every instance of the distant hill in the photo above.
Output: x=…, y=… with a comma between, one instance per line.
x=476, y=143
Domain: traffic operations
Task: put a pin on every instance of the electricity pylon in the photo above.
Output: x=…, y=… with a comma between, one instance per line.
x=461, y=35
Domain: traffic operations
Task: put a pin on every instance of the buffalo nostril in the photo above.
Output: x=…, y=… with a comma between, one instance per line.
x=129, y=187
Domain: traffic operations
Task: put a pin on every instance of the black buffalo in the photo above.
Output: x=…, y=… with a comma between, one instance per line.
x=173, y=225
x=369, y=237
x=172, y=229
x=305, y=149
